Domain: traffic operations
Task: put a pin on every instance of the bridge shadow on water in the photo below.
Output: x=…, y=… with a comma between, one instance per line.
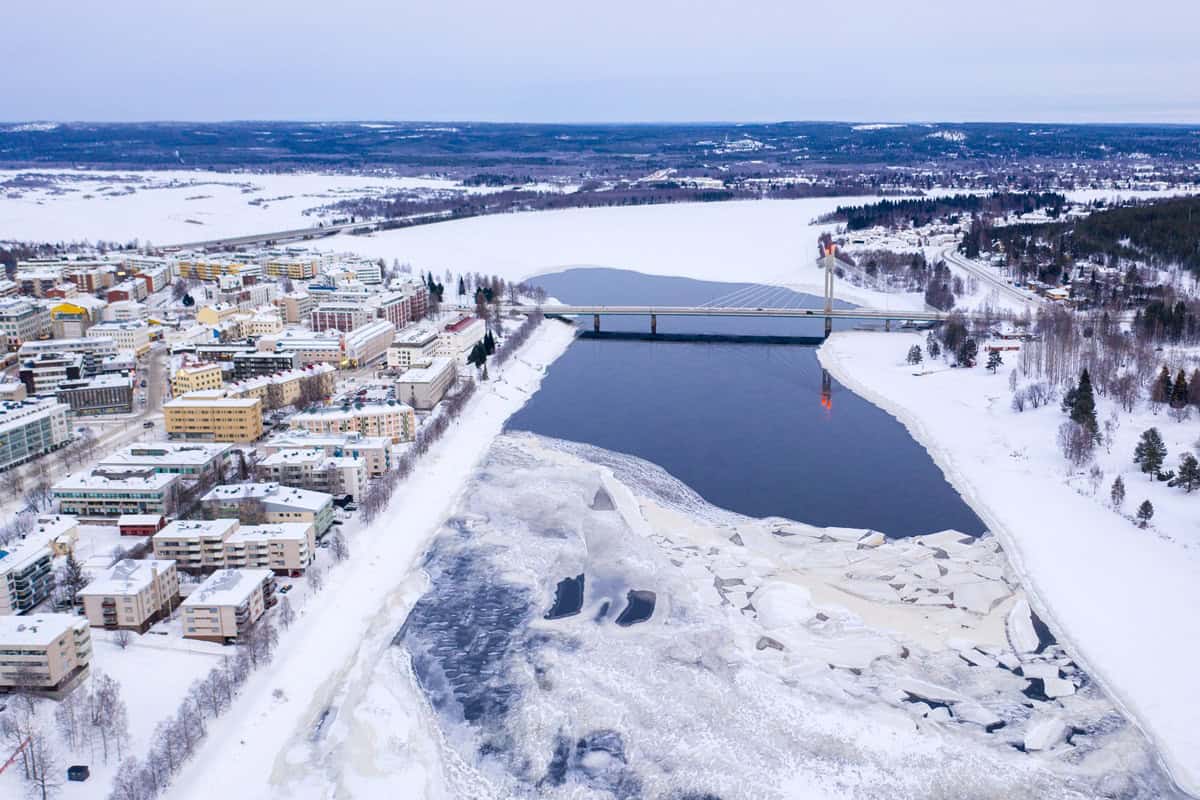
x=709, y=338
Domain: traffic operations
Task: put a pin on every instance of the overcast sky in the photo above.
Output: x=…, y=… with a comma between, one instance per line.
x=615, y=60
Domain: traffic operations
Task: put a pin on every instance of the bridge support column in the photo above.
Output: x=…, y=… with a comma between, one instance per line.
x=887, y=324
x=653, y=324
x=828, y=326
x=596, y=323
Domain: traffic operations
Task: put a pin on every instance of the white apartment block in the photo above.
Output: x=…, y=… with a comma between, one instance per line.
x=391, y=420
x=30, y=428
x=131, y=594
x=131, y=336
x=313, y=469
x=459, y=337
x=425, y=383
x=368, y=342
x=376, y=451
x=412, y=344
x=194, y=544
x=226, y=606
x=52, y=649
x=197, y=545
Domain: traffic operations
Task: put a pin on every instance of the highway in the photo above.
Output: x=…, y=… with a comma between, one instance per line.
x=991, y=278
x=300, y=234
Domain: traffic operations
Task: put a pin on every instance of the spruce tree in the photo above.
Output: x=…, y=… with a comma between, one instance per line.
x=914, y=355
x=1179, y=391
x=1194, y=388
x=1160, y=391
x=1144, y=513
x=1189, y=473
x=994, y=360
x=1150, y=452
x=1117, y=493
x=1083, y=411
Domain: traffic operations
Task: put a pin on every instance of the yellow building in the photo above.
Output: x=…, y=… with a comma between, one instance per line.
x=212, y=416
x=299, y=269
x=195, y=378
x=211, y=269
x=214, y=315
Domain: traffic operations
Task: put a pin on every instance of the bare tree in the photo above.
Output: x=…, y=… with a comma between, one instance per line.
x=123, y=638
x=41, y=779
x=339, y=546
x=316, y=577
x=286, y=615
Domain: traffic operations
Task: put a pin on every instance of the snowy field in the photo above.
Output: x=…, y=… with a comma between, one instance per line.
x=756, y=241
x=1123, y=598
x=776, y=660
x=179, y=206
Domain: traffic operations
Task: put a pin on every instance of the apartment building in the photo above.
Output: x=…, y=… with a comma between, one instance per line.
x=295, y=267
x=415, y=344
x=23, y=321
x=256, y=503
x=425, y=383
x=211, y=415
x=262, y=362
x=310, y=348
x=313, y=469
x=210, y=269
x=26, y=572
x=71, y=320
x=132, y=336
x=296, y=306
x=30, y=428
x=375, y=451
x=226, y=606
x=52, y=651
x=131, y=594
x=459, y=337
x=392, y=420
x=102, y=394
x=111, y=493
x=368, y=342
x=190, y=460
x=287, y=388
x=195, y=544
x=341, y=316
x=195, y=378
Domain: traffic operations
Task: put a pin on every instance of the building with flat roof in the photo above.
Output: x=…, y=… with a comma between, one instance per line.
x=339, y=316
x=213, y=416
x=192, y=460
x=30, y=428
x=101, y=394
x=26, y=572
x=43, y=373
x=425, y=383
x=376, y=451
x=226, y=606
x=392, y=420
x=412, y=344
x=51, y=651
x=94, y=348
x=310, y=347
x=132, y=336
x=257, y=503
x=313, y=469
x=306, y=384
x=140, y=524
x=459, y=337
x=22, y=320
x=195, y=544
x=111, y=493
x=195, y=378
x=131, y=594
x=368, y=342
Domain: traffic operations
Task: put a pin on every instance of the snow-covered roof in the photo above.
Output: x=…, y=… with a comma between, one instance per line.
x=273, y=495
x=37, y=629
x=434, y=370
x=228, y=587
x=278, y=531
x=126, y=577
x=197, y=529
x=162, y=454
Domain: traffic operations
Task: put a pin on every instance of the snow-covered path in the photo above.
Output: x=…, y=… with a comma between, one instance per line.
x=1124, y=599
x=252, y=751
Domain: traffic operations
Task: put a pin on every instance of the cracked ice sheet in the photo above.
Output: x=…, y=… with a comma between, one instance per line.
x=686, y=703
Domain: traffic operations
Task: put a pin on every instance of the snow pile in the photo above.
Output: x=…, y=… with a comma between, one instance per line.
x=1123, y=597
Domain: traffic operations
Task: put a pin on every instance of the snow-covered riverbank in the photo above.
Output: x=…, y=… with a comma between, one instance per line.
x=260, y=748
x=1123, y=598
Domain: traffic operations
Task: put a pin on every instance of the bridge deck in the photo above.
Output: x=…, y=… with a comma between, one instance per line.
x=708, y=311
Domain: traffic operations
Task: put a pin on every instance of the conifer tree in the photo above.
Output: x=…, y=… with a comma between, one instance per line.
x=914, y=355
x=1189, y=473
x=1179, y=391
x=1144, y=513
x=1150, y=452
x=1083, y=412
x=1117, y=493
x=1160, y=391
x=994, y=360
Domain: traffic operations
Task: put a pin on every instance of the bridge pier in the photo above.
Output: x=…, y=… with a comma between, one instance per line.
x=887, y=324
x=596, y=323
x=828, y=326
x=653, y=324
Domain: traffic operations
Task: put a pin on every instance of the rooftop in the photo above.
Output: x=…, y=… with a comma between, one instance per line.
x=38, y=629
x=154, y=481
x=126, y=577
x=197, y=528
x=271, y=494
x=228, y=587
x=279, y=531
x=428, y=373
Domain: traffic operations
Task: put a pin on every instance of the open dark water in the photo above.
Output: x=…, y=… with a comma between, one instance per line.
x=742, y=424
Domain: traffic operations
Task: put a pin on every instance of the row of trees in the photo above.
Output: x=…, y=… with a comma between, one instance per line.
x=177, y=737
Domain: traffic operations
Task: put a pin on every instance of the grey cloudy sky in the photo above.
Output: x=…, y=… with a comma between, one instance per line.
x=616, y=60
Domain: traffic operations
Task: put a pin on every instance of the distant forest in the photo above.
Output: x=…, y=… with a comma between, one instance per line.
x=923, y=211
x=1164, y=233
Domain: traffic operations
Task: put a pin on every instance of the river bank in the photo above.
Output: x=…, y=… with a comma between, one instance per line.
x=1120, y=597
x=268, y=745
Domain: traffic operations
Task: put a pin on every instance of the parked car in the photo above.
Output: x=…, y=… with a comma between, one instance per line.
x=147, y=424
x=78, y=772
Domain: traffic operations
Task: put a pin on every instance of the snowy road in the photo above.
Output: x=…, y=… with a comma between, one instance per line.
x=989, y=277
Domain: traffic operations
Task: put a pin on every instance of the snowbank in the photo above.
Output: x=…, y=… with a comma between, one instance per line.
x=1124, y=599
